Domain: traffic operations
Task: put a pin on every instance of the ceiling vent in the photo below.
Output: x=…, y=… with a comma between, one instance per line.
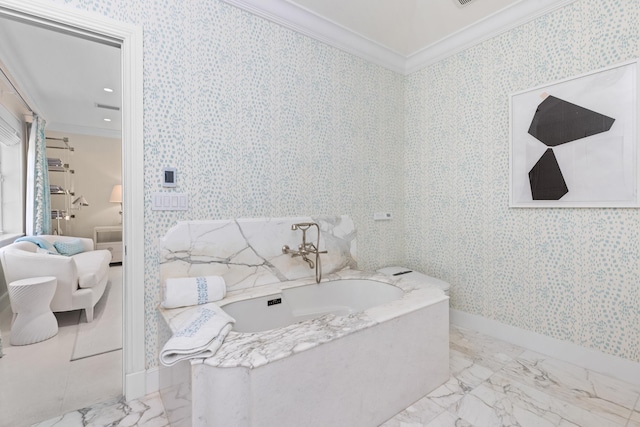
x=462, y=2
x=113, y=107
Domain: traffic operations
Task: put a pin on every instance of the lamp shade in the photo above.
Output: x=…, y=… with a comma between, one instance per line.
x=80, y=201
x=116, y=194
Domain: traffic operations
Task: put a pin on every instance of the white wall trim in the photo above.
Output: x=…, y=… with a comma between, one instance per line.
x=617, y=367
x=84, y=130
x=310, y=24
x=135, y=384
x=130, y=37
x=153, y=380
x=500, y=22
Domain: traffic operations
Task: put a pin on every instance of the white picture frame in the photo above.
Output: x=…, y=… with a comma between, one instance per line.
x=599, y=169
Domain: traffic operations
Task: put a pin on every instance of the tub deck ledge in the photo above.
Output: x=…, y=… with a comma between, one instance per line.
x=252, y=350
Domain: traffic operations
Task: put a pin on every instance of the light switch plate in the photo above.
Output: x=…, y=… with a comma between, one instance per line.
x=169, y=201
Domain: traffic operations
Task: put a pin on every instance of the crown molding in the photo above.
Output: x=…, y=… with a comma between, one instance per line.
x=493, y=25
x=307, y=23
x=310, y=24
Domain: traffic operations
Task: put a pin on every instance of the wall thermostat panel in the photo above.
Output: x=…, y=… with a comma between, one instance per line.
x=169, y=177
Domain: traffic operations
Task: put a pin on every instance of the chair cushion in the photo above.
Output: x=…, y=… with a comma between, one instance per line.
x=93, y=267
x=41, y=242
x=69, y=247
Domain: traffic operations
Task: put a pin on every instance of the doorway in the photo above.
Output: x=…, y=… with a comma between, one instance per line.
x=130, y=40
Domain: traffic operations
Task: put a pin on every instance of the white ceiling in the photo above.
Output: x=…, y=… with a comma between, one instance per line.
x=404, y=26
x=62, y=77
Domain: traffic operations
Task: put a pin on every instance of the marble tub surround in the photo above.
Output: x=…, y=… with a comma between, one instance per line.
x=319, y=363
x=248, y=252
x=252, y=350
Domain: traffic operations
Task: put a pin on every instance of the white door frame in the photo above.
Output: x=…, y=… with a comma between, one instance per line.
x=130, y=36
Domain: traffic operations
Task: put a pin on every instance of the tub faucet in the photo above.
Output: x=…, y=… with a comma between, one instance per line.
x=307, y=248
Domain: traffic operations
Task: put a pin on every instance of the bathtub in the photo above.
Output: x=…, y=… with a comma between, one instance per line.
x=300, y=303
x=354, y=350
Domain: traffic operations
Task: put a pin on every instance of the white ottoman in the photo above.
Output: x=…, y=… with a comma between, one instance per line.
x=33, y=320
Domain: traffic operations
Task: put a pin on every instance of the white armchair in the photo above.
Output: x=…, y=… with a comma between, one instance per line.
x=82, y=278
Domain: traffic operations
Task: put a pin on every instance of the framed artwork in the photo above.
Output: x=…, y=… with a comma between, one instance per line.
x=574, y=142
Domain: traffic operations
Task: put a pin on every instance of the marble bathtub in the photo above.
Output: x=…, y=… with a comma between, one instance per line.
x=294, y=304
x=358, y=369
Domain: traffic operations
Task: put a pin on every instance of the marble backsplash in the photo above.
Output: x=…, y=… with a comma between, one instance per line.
x=248, y=252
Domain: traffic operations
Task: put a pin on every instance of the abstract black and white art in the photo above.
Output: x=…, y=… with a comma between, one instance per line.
x=574, y=143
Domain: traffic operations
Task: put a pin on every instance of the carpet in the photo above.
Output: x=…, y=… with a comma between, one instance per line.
x=104, y=334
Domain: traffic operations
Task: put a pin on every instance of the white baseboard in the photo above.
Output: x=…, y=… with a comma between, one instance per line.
x=617, y=367
x=136, y=385
x=142, y=383
x=153, y=380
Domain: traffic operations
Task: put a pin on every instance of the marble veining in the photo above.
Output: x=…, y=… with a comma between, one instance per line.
x=504, y=398
x=256, y=349
x=494, y=383
x=311, y=353
x=145, y=412
x=605, y=398
x=248, y=252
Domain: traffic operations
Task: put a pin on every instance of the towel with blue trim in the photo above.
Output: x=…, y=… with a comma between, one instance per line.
x=199, y=337
x=186, y=291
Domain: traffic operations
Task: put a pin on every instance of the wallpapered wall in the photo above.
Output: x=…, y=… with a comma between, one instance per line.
x=572, y=274
x=262, y=122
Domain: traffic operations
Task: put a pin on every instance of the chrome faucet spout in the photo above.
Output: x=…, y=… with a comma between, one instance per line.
x=310, y=262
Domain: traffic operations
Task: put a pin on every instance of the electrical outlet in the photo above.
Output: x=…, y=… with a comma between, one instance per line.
x=382, y=216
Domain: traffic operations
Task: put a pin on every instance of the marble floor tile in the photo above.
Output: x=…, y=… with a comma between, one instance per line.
x=472, y=360
x=480, y=411
x=523, y=405
x=419, y=414
x=447, y=419
x=146, y=412
x=604, y=396
x=482, y=349
x=493, y=384
x=634, y=421
x=465, y=375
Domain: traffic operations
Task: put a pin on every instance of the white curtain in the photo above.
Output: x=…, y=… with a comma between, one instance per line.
x=38, y=194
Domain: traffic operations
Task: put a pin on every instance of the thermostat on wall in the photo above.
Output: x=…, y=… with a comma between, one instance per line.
x=169, y=177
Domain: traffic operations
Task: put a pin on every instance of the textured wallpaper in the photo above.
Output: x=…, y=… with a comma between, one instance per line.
x=262, y=122
x=571, y=274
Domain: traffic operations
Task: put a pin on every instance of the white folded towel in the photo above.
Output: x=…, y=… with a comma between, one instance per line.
x=199, y=337
x=185, y=291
